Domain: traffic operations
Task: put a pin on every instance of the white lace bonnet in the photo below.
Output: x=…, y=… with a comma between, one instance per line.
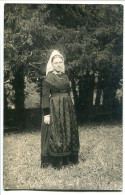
x=49, y=64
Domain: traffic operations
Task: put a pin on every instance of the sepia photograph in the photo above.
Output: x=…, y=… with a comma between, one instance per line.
x=63, y=97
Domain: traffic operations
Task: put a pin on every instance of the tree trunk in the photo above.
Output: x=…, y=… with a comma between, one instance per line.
x=40, y=87
x=86, y=87
x=107, y=95
x=6, y=116
x=82, y=95
x=91, y=82
x=75, y=96
x=99, y=89
x=19, y=96
x=5, y=102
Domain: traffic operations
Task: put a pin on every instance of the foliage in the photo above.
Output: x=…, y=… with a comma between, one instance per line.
x=90, y=36
x=32, y=97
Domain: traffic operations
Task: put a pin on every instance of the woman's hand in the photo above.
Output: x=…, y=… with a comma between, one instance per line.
x=47, y=119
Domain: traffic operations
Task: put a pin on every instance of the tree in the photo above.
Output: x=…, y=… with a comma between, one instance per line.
x=90, y=36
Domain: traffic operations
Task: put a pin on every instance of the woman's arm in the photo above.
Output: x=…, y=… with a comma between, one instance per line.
x=45, y=98
x=45, y=102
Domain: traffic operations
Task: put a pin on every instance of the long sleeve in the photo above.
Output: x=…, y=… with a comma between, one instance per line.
x=45, y=98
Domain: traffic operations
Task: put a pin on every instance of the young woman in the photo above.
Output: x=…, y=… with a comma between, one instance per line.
x=59, y=138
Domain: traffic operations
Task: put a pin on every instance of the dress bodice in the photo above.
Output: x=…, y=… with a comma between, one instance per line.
x=57, y=82
x=53, y=83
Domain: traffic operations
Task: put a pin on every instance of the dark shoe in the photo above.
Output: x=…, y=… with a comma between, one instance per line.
x=65, y=161
x=74, y=158
x=56, y=162
x=45, y=165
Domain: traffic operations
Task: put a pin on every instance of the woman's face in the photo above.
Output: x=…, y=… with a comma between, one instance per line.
x=57, y=64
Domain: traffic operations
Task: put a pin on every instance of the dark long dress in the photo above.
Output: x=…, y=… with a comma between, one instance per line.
x=60, y=139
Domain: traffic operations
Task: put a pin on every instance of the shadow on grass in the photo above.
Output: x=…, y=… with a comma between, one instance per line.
x=15, y=129
x=31, y=127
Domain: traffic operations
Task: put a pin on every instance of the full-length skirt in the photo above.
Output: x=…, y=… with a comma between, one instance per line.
x=60, y=139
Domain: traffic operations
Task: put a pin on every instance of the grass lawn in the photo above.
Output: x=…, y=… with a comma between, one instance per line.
x=99, y=168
